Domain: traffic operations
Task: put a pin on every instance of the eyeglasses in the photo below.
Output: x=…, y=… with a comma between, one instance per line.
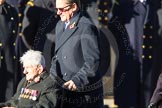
x=63, y=9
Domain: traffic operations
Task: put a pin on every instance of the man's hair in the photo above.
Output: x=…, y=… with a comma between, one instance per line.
x=78, y=3
x=32, y=58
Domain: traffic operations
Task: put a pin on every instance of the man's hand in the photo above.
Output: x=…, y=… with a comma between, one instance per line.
x=152, y=105
x=70, y=85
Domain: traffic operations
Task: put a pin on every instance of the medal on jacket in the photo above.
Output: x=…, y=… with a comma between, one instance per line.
x=34, y=94
x=28, y=94
x=21, y=93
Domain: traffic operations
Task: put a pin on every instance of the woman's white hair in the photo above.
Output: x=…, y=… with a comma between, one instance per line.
x=32, y=58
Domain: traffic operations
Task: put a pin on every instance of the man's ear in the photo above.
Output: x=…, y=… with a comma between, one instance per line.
x=74, y=7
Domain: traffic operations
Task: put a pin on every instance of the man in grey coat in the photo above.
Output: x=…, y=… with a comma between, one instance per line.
x=77, y=58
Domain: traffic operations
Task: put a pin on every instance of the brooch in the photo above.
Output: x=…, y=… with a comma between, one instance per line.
x=72, y=25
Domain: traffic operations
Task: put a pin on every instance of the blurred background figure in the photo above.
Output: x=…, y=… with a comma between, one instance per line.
x=37, y=29
x=132, y=14
x=155, y=101
x=140, y=70
x=159, y=13
x=21, y=5
x=8, y=33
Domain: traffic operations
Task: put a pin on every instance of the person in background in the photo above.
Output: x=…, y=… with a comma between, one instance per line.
x=133, y=16
x=8, y=33
x=156, y=98
x=77, y=58
x=19, y=46
x=38, y=26
x=159, y=13
x=37, y=88
x=37, y=21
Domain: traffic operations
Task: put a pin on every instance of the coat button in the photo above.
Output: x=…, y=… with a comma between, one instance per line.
x=65, y=74
x=56, y=56
x=20, y=15
x=20, y=34
x=14, y=57
x=12, y=18
x=13, y=31
x=65, y=57
x=20, y=24
x=14, y=44
x=1, y=57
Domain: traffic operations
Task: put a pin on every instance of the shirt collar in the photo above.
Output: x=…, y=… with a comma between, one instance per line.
x=71, y=20
x=66, y=24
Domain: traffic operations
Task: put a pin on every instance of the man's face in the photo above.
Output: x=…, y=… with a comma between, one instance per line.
x=2, y=1
x=64, y=10
x=30, y=72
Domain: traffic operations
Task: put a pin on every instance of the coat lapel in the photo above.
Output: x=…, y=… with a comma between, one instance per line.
x=63, y=37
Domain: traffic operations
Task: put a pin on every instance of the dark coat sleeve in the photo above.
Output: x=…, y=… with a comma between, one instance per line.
x=89, y=72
